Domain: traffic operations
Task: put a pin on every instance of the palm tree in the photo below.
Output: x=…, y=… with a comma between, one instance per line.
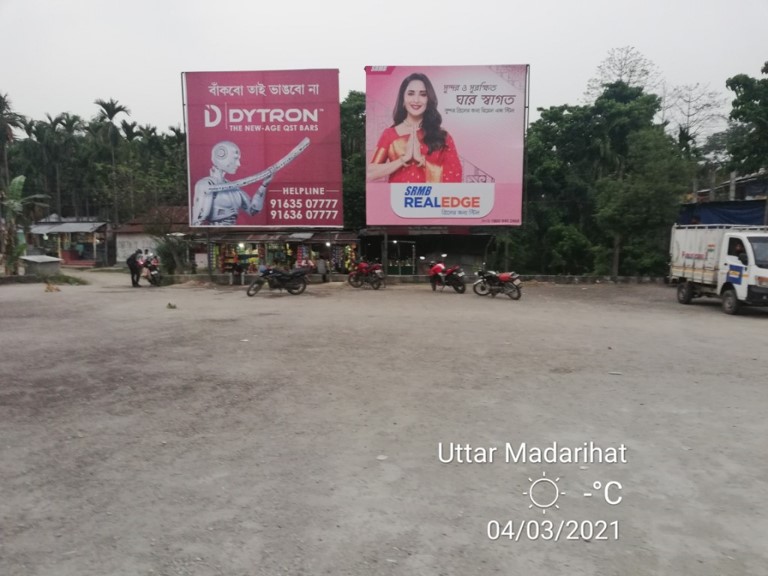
x=131, y=134
x=8, y=121
x=53, y=141
x=72, y=126
x=109, y=110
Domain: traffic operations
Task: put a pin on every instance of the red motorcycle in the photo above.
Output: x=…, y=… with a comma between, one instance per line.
x=366, y=273
x=151, y=270
x=454, y=277
x=441, y=275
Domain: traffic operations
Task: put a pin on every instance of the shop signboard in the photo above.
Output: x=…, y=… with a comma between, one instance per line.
x=263, y=148
x=444, y=145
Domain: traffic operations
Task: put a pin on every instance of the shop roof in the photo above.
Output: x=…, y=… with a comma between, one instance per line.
x=276, y=237
x=174, y=219
x=40, y=259
x=66, y=227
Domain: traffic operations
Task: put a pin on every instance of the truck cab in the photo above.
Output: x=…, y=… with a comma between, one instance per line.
x=742, y=275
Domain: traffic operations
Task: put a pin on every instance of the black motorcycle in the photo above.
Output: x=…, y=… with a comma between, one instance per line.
x=294, y=282
x=493, y=283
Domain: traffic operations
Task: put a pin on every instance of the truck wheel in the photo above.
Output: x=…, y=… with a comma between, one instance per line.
x=684, y=293
x=730, y=301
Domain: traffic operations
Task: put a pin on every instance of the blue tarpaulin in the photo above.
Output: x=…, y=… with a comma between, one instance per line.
x=743, y=212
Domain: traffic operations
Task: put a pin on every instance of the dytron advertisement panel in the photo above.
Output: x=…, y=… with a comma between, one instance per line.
x=264, y=148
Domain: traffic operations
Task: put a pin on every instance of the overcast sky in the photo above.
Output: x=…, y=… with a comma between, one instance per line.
x=61, y=55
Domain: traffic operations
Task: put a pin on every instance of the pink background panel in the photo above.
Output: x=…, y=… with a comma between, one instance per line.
x=489, y=143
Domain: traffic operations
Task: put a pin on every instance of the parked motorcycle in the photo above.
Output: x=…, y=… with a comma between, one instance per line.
x=366, y=273
x=442, y=275
x=454, y=277
x=151, y=270
x=493, y=283
x=294, y=282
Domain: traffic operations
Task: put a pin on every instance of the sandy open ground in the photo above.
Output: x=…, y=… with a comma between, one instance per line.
x=300, y=435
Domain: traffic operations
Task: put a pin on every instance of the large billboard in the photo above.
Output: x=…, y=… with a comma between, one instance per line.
x=445, y=144
x=264, y=148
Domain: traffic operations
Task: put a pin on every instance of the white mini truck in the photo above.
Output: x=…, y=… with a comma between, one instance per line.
x=723, y=261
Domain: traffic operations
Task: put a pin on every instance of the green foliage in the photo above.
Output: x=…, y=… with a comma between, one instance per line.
x=570, y=250
x=172, y=248
x=172, y=252
x=353, y=159
x=750, y=108
x=13, y=205
x=106, y=167
x=507, y=251
x=602, y=179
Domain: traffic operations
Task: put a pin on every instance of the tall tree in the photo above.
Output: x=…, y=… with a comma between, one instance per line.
x=52, y=140
x=109, y=109
x=8, y=121
x=72, y=128
x=696, y=110
x=637, y=208
x=131, y=134
x=620, y=111
x=625, y=64
x=561, y=167
x=353, y=158
x=750, y=107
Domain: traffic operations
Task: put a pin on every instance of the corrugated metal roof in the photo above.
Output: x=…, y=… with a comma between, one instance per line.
x=66, y=227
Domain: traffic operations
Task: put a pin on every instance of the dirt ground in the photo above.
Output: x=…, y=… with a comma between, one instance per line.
x=302, y=435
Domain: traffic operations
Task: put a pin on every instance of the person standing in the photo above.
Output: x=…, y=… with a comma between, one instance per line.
x=135, y=267
x=436, y=276
x=322, y=268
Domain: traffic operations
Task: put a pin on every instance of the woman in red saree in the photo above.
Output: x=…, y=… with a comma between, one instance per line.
x=416, y=148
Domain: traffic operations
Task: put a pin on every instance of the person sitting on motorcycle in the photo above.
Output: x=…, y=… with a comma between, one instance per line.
x=436, y=275
x=148, y=264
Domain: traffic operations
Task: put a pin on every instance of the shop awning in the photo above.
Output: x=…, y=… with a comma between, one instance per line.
x=66, y=227
x=334, y=237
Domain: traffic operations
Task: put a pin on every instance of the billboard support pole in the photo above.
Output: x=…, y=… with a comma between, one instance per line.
x=384, y=256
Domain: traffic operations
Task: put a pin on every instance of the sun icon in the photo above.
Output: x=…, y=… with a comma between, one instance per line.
x=547, y=493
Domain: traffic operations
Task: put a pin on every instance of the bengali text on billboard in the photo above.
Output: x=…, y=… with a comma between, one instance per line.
x=264, y=148
x=444, y=145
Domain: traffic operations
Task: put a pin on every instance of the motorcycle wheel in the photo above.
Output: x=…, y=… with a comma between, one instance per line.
x=298, y=287
x=481, y=288
x=375, y=283
x=255, y=287
x=154, y=279
x=460, y=287
x=513, y=291
x=354, y=280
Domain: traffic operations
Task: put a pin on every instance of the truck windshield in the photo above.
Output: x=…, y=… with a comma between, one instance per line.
x=760, y=249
